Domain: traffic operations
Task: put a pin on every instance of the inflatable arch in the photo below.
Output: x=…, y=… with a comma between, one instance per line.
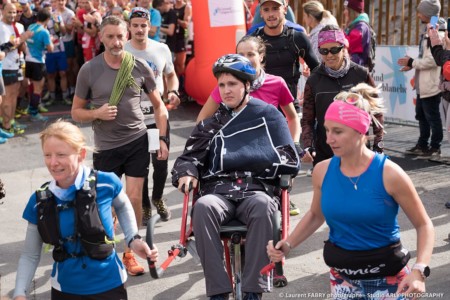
x=218, y=25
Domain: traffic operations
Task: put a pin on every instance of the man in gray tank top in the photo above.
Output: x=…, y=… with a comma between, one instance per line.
x=120, y=134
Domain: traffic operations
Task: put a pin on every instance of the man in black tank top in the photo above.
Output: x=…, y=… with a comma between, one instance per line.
x=285, y=46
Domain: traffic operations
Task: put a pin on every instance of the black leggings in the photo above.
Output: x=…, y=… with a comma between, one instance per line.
x=118, y=293
x=160, y=173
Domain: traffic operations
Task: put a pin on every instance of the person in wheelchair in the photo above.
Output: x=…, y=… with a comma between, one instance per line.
x=236, y=155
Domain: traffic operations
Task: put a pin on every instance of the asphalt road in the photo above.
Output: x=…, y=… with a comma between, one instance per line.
x=22, y=169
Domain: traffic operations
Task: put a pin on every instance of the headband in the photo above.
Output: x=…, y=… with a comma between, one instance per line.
x=348, y=115
x=332, y=36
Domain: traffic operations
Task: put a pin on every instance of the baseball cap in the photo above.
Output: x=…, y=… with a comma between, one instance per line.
x=23, y=2
x=281, y=2
x=139, y=12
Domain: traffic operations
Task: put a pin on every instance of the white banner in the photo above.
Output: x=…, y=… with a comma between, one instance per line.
x=226, y=13
x=399, y=96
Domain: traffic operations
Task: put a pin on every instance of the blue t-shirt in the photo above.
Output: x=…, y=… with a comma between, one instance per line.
x=359, y=219
x=84, y=275
x=155, y=20
x=37, y=45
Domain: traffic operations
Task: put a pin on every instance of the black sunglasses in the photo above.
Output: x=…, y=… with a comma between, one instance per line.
x=333, y=50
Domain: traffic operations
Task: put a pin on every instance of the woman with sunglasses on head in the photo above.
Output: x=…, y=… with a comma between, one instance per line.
x=358, y=193
x=336, y=73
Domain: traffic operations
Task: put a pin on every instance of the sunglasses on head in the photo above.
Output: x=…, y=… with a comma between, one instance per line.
x=138, y=12
x=349, y=97
x=332, y=50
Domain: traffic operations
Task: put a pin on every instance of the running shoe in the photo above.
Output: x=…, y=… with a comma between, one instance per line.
x=42, y=108
x=293, y=209
x=131, y=265
x=6, y=134
x=162, y=209
x=416, y=150
x=38, y=118
x=432, y=153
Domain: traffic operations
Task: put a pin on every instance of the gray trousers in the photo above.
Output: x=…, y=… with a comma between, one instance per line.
x=209, y=213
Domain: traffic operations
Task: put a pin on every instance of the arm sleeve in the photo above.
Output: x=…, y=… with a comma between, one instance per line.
x=29, y=260
x=440, y=55
x=308, y=118
x=125, y=214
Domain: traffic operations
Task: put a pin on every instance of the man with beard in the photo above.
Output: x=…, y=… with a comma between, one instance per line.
x=120, y=135
x=158, y=57
x=285, y=46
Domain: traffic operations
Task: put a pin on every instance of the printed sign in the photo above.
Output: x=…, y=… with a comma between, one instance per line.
x=398, y=87
x=226, y=13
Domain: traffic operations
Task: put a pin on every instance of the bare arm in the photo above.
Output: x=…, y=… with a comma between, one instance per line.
x=161, y=116
x=81, y=114
x=169, y=30
x=312, y=220
x=400, y=187
x=152, y=31
x=293, y=121
x=172, y=85
x=187, y=17
x=208, y=109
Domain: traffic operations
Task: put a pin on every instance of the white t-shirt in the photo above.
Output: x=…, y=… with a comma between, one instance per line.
x=159, y=58
x=7, y=34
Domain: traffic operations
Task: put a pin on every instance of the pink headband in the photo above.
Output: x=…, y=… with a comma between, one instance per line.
x=332, y=36
x=349, y=115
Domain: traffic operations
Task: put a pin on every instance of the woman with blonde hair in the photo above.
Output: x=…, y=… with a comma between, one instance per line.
x=72, y=212
x=358, y=193
x=316, y=17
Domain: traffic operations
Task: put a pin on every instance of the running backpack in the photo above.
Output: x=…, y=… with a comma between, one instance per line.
x=372, y=46
x=89, y=228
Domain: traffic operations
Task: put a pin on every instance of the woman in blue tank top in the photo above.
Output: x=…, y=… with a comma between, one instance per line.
x=364, y=252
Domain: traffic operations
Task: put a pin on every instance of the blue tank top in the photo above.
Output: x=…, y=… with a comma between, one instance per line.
x=360, y=219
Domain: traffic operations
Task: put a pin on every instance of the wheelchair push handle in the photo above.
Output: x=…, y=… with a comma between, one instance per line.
x=276, y=238
x=154, y=271
x=189, y=188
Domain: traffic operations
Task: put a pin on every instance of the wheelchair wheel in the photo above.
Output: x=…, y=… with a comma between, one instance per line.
x=279, y=280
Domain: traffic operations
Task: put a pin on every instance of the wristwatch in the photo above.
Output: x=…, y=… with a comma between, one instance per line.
x=136, y=237
x=175, y=92
x=423, y=269
x=165, y=139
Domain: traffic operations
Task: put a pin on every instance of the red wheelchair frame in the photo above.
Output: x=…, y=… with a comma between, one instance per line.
x=231, y=236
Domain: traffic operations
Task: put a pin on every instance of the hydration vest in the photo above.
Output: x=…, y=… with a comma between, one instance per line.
x=89, y=229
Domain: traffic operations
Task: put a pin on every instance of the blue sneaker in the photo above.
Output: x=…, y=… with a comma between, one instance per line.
x=38, y=118
x=17, y=126
x=3, y=140
x=6, y=134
